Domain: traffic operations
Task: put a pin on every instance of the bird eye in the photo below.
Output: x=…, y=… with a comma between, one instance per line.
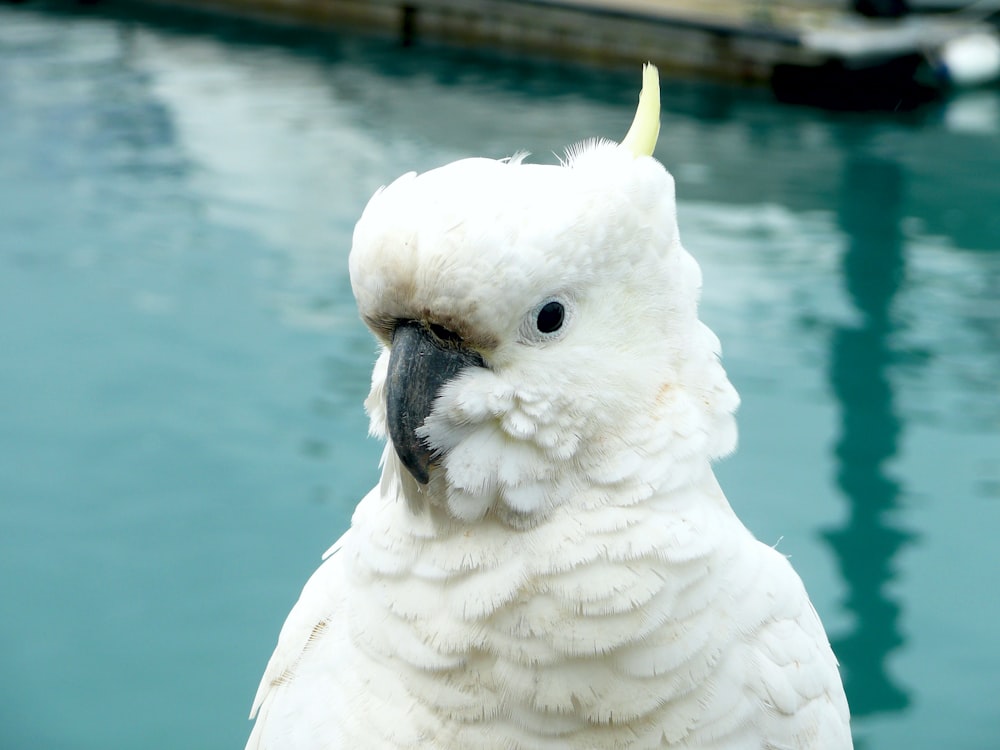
x=550, y=317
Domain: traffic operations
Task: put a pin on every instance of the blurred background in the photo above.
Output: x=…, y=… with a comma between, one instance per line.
x=182, y=368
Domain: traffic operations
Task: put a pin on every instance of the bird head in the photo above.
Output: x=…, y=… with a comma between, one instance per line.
x=540, y=331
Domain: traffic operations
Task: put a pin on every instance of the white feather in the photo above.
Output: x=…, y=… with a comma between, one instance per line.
x=572, y=575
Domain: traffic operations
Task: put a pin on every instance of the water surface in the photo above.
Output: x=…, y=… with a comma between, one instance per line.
x=182, y=370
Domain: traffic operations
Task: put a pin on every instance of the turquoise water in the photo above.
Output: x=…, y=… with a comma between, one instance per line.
x=181, y=368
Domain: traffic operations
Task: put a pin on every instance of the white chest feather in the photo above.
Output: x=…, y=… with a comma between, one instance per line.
x=661, y=624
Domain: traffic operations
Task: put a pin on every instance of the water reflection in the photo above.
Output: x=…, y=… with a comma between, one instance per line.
x=861, y=358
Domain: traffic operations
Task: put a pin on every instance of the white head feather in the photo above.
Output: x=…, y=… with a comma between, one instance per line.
x=629, y=392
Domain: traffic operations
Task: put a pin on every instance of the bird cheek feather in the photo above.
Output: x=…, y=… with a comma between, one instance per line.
x=375, y=402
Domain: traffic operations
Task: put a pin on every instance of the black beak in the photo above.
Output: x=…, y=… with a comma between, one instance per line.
x=419, y=366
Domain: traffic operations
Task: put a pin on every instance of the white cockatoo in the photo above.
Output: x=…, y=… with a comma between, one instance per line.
x=548, y=560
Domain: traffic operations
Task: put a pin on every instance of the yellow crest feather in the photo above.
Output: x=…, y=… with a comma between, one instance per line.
x=641, y=137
